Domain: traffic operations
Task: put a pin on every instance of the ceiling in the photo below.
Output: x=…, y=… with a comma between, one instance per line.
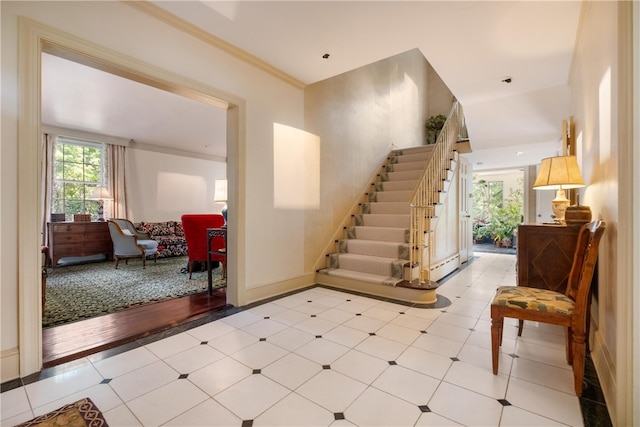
x=472, y=45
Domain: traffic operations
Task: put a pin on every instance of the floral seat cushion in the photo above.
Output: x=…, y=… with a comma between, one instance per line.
x=534, y=299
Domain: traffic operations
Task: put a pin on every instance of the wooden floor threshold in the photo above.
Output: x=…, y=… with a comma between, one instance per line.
x=61, y=344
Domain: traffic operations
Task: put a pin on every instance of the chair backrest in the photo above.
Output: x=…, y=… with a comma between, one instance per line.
x=123, y=244
x=125, y=224
x=195, y=233
x=581, y=275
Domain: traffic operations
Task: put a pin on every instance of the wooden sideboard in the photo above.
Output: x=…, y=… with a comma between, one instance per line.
x=545, y=254
x=77, y=239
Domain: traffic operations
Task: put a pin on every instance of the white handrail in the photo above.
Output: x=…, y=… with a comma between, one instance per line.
x=426, y=195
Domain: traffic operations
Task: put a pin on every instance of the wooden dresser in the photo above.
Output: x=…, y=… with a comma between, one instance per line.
x=76, y=239
x=545, y=254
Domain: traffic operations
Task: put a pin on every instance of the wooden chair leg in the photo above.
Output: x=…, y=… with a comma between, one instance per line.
x=496, y=340
x=579, y=352
x=144, y=261
x=115, y=261
x=190, y=268
x=569, y=349
x=520, y=326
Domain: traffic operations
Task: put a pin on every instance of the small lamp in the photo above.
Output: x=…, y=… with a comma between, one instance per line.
x=559, y=173
x=220, y=196
x=100, y=194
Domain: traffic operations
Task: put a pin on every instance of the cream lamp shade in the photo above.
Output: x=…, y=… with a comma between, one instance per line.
x=559, y=173
x=220, y=196
x=220, y=190
x=100, y=194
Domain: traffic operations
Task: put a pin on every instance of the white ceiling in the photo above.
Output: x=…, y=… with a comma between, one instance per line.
x=473, y=45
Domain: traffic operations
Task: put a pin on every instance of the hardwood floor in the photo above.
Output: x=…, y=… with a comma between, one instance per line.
x=61, y=344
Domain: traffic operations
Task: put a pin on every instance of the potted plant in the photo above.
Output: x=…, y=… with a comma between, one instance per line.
x=434, y=126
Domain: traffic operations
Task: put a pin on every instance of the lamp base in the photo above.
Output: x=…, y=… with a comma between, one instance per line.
x=224, y=214
x=559, y=206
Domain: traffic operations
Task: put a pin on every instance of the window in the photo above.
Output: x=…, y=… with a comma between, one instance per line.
x=78, y=169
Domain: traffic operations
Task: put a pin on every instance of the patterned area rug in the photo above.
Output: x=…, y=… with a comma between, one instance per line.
x=82, y=413
x=78, y=292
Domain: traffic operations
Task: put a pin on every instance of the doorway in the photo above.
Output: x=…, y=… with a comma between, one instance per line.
x=39, y=38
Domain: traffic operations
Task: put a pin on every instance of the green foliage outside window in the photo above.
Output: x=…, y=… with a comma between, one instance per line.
x=495, y=218
x=78, y=169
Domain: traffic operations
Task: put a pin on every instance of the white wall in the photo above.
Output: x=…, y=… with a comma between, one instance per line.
x=598, y=104
x=165, y=186
x=265, y=100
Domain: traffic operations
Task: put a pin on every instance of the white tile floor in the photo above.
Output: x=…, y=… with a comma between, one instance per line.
x=323, y=357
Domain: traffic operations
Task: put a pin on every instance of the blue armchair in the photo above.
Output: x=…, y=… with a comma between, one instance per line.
x=130, y=243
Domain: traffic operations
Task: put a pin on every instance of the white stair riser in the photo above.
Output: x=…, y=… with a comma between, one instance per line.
x=383, y=234
x=383, y=220
x=401, y=208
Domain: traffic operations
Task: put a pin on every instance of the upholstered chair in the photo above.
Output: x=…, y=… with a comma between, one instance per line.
x=569, y=309
x=130, y=243
x=195, y=231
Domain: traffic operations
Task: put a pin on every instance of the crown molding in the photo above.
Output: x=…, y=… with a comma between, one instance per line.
x=182, y=25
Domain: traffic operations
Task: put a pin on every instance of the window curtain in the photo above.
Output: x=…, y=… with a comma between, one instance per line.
x=46, y=181
x=117, y=172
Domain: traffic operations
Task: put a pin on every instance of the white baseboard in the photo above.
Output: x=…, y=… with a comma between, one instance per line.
x=446, y=266
x=606, y=373
x=10, y=363
x=260, y=293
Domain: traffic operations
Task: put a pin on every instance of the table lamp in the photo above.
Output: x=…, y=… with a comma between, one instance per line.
x=559, y=173
x=220, y=196
x=100, y=194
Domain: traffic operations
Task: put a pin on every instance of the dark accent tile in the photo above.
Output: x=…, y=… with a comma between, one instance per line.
x=105, y=381
x=10, y=385
x=326, y=366
x=338, y=416
x=504, y=402
x=594, y=414
x=358, y=314
x=256, y=371
x=443, y=311
x=372, y=334
x=423, y=332
x=266, y=317
x=515, y=356
x=392, y=362
x=313, y=315
x=455, y=359
x=204, y=343
x=402, y=312
x=472, y=329
x=348, y=300
x=318, y=336
x=309, y=301
x=247, y=423
x=424, y=408
x=263, y=339
x=183, y=376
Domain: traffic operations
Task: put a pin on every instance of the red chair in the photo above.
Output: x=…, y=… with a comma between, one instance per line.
x=195, y=232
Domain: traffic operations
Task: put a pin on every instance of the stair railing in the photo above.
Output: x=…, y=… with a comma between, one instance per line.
x=426, y=196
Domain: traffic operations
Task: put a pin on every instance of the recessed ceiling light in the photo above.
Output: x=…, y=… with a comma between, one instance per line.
x=325, y=56
x=519, y=153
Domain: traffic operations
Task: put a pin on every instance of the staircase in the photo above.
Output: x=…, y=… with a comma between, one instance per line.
x=386, y=246
x=376, y=248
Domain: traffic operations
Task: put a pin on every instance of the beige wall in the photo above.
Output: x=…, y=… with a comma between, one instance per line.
x=601, y=109
x=360, y=116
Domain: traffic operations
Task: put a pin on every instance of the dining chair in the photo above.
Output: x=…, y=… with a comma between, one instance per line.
x=570, y=309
